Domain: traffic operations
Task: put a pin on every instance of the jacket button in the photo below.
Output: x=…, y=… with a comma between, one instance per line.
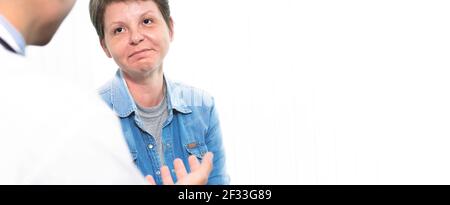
x=150, y=146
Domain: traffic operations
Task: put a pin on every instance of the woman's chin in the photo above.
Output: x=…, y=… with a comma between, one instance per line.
x=143, y=67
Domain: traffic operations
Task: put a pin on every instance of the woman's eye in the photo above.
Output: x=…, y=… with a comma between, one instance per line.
x=147, y=21
x=118, y=30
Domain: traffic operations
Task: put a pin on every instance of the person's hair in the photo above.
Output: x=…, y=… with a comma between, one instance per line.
x=97, y=12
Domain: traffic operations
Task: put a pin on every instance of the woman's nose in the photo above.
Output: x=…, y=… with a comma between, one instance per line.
x=136, y=37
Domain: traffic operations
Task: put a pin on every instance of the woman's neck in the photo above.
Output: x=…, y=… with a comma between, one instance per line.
x=149, y=91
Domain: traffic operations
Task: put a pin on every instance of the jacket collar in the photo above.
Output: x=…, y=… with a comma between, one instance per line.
x=124, y=105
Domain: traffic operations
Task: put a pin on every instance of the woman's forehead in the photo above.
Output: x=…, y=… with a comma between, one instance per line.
x=130, y=9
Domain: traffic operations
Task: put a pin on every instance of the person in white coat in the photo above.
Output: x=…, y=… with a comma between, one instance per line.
x=51, y=132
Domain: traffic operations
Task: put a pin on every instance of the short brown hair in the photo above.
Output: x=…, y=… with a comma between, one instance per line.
x=97, y=12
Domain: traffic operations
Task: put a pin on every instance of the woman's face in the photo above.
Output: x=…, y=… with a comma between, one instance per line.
x=136, y=36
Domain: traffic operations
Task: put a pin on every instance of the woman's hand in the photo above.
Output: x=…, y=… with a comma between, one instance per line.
x=198, y=176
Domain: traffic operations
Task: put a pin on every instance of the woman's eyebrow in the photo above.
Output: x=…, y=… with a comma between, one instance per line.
x=148, y=12
x=151, y=12
x=115, y=22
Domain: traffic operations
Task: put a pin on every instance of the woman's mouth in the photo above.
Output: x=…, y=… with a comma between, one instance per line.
x=139, y=53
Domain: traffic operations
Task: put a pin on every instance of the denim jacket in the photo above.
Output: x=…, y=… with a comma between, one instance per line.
x=192, y=128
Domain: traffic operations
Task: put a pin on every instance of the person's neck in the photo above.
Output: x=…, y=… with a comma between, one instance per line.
x=20, y=18
x=147, y=91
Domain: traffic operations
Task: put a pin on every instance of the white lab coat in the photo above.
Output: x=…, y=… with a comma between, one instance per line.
x=51, y=132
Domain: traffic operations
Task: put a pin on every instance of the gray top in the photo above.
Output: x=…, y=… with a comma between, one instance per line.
x=153, y=119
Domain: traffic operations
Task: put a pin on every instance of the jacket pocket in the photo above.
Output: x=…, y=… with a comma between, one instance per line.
x=196, y=148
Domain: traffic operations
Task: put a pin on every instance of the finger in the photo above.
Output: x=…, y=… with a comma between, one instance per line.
x=165, y=175
x=207, y=162
x=180, y=169
x=150, y=180
x=193, y=163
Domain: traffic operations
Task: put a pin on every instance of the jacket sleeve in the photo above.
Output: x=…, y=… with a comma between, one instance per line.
x=214, y=143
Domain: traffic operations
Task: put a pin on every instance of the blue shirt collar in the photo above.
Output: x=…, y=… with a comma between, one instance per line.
x=17, y=36
x=123, y=103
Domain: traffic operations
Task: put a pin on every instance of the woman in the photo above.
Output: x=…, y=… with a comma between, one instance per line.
x=162, y=121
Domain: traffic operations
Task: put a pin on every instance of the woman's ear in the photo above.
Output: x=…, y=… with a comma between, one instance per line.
x=105, y=49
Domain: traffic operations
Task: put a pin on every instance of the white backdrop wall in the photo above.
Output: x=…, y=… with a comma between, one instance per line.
x=309, y=92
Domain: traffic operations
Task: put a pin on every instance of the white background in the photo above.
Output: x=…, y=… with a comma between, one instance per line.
x=309, y=92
